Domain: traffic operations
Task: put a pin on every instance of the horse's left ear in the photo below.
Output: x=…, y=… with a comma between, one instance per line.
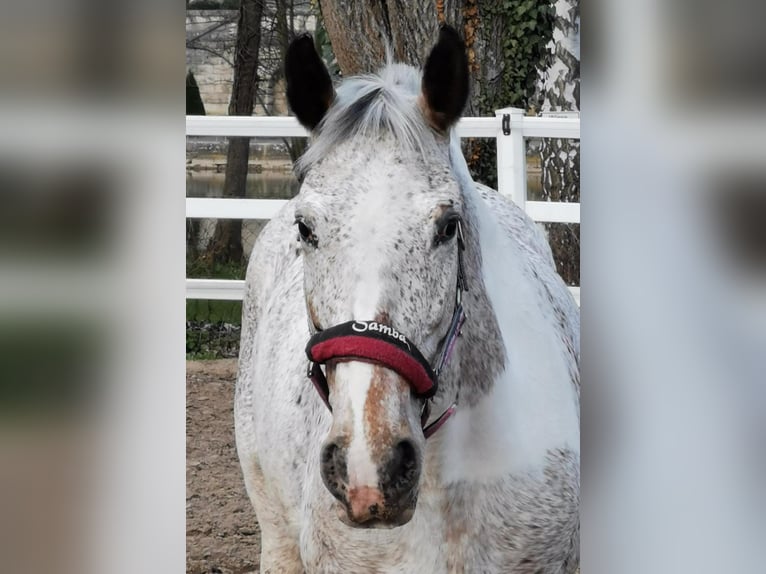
x=309, y=87
x=445, y=81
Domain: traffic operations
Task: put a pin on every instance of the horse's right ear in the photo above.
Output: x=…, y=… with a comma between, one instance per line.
x=309, y=87
x=444, y=88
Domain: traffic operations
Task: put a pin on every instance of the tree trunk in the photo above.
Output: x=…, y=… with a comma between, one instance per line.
x=283, y=30
x=226, y=246
x=560, y=87
x=560, y=158
x=359, y=32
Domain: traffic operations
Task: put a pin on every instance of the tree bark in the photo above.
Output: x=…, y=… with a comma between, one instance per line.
x=560, y=88
x=226, y=246
x=560, y=158
x=360, y=32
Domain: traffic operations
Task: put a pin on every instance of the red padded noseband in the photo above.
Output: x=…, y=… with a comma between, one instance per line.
x=377, y=343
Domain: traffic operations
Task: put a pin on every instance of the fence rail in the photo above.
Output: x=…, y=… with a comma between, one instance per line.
x=288, y=126
x=510, y=127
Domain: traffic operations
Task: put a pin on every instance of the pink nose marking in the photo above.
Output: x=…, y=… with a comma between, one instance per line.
x=364, y=503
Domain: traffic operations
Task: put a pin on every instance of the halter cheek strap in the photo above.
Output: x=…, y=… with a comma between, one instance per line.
x=382, y=344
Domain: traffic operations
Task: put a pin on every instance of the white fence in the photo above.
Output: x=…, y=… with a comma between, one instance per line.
x=509, y=126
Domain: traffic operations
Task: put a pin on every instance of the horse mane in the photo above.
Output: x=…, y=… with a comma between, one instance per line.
x=372, y=106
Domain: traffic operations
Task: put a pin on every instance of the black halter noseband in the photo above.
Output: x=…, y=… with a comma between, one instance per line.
x=382, y=344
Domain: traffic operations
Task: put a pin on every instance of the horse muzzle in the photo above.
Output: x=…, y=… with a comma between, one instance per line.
x=387, y=504
x=366, y=509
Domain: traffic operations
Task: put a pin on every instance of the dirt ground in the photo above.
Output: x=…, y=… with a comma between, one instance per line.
x=222, y=535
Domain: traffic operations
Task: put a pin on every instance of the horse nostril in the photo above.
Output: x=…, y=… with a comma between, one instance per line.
x=403, y=466
x=328, y=453
x=405, y=453
x=333, y=469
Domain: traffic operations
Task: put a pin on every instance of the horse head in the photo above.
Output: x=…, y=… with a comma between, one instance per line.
x=378, y=224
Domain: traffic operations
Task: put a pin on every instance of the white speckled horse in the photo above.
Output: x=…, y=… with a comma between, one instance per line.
x=429, y=306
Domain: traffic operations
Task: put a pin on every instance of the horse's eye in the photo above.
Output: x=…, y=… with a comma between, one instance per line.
x=447, y=230
x=304, y=230
x=306, y=233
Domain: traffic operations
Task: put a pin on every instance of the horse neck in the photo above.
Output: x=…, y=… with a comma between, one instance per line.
x=516, y=398
x=502, y=291
x=481, y=353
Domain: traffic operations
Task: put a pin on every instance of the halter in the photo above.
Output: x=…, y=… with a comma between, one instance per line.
x=382, y=344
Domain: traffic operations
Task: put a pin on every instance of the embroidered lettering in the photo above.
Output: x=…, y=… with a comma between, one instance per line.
x=362, y=326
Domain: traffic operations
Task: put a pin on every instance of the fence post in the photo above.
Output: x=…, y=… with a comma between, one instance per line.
x=512, y=156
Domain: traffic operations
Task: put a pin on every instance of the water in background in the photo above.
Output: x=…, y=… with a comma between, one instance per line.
x=259, y=185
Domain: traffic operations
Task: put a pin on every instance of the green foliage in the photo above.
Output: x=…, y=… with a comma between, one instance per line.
x=203, y=268
x=210, y=311
x=527, y=29
x=212, y=327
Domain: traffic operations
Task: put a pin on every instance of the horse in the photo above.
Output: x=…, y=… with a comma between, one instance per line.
x=407, y=397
